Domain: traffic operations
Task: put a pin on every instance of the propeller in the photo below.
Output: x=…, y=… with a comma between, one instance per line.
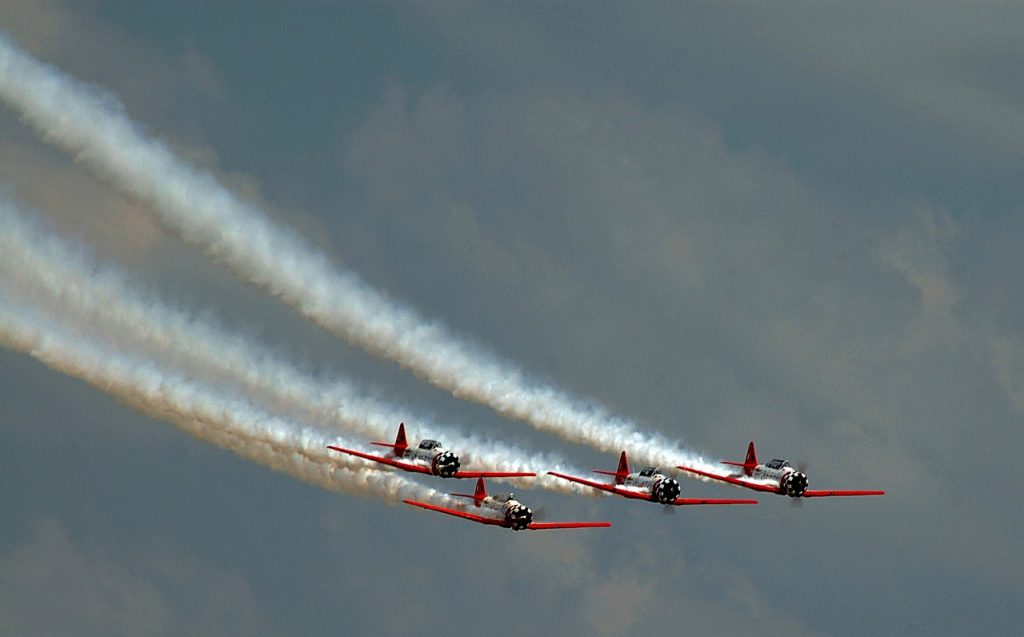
x=798, y=503
x=795, y=483
x=446, y=464
x=667, y=490
x=520, y=517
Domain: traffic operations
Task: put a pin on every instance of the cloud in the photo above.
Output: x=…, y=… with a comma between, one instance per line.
x=735, y=298
x=51, y=585
x=730, y=223
x=145, y=77
x=917, y=252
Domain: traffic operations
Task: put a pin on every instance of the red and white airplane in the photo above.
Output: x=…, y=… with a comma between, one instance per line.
x=777, y=476
x=510, y=513
x=428, y=457
x=647, y=484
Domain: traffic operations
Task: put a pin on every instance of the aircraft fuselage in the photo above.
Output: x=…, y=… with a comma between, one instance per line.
x=431, y=453
x=655, y=485
x=790, y=481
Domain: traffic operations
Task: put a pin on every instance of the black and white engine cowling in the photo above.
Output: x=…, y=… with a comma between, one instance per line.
x=445, y=464
x=519, y=517
x=666, y=491
x=794, y=483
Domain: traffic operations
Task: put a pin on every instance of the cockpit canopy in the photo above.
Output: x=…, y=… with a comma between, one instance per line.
x=504, y=497
x=427, y=445
x=647, y=472
x=778, y=464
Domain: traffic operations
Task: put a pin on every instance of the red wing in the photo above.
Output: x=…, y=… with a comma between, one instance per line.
x=756, y=486
x=544, y=526
x=406, y=466
x=828, y=494
x=493, y=474
x=687, y=501
x=603, y=486
x=461, y=514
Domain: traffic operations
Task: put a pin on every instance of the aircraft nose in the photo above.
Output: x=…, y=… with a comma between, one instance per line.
x=446, y=464
x=668, y=490
x=796, y=484
x=520, y=517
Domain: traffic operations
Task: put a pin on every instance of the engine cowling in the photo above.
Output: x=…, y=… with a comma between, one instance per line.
x=519, y=517
x=794, y=484
x=445, y=464
x=666, y=491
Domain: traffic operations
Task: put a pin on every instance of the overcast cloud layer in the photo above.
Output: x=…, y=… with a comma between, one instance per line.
x=799, y=225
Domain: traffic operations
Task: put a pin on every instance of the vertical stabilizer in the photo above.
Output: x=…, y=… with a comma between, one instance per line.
x=400, y=444
x=750, y=463
x=621, y=473
x=480, y=493
x=478, y=496
x=751, y=460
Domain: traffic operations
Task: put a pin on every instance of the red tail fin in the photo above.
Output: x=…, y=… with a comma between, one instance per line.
x=750, y=463
x=400, y=445
x=621, y=473
x=751, y=460
x=478, y=495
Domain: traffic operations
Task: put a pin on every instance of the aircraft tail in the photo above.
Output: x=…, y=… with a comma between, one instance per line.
x=400, y=444
x=750, y=463
x=477, y=496
x=620, y=473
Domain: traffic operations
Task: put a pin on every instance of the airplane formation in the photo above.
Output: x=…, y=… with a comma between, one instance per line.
x=429, y=457
x=55, y=104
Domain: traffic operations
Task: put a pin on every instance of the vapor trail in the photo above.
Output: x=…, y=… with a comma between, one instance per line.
x=45, y=270
x=93, y=126
x=227, y=422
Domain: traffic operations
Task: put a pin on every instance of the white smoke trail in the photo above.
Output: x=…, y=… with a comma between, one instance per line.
x=94, y=128
x=229, y=423
x=44, y=269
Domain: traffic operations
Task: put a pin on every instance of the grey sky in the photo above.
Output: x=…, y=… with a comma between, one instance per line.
x=799, y=225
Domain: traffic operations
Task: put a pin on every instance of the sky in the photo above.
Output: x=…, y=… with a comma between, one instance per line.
x=796, y=224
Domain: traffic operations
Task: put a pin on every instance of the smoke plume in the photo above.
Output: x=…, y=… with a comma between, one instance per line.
x=226, y=421
x=95, y=129
x=45, y=270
